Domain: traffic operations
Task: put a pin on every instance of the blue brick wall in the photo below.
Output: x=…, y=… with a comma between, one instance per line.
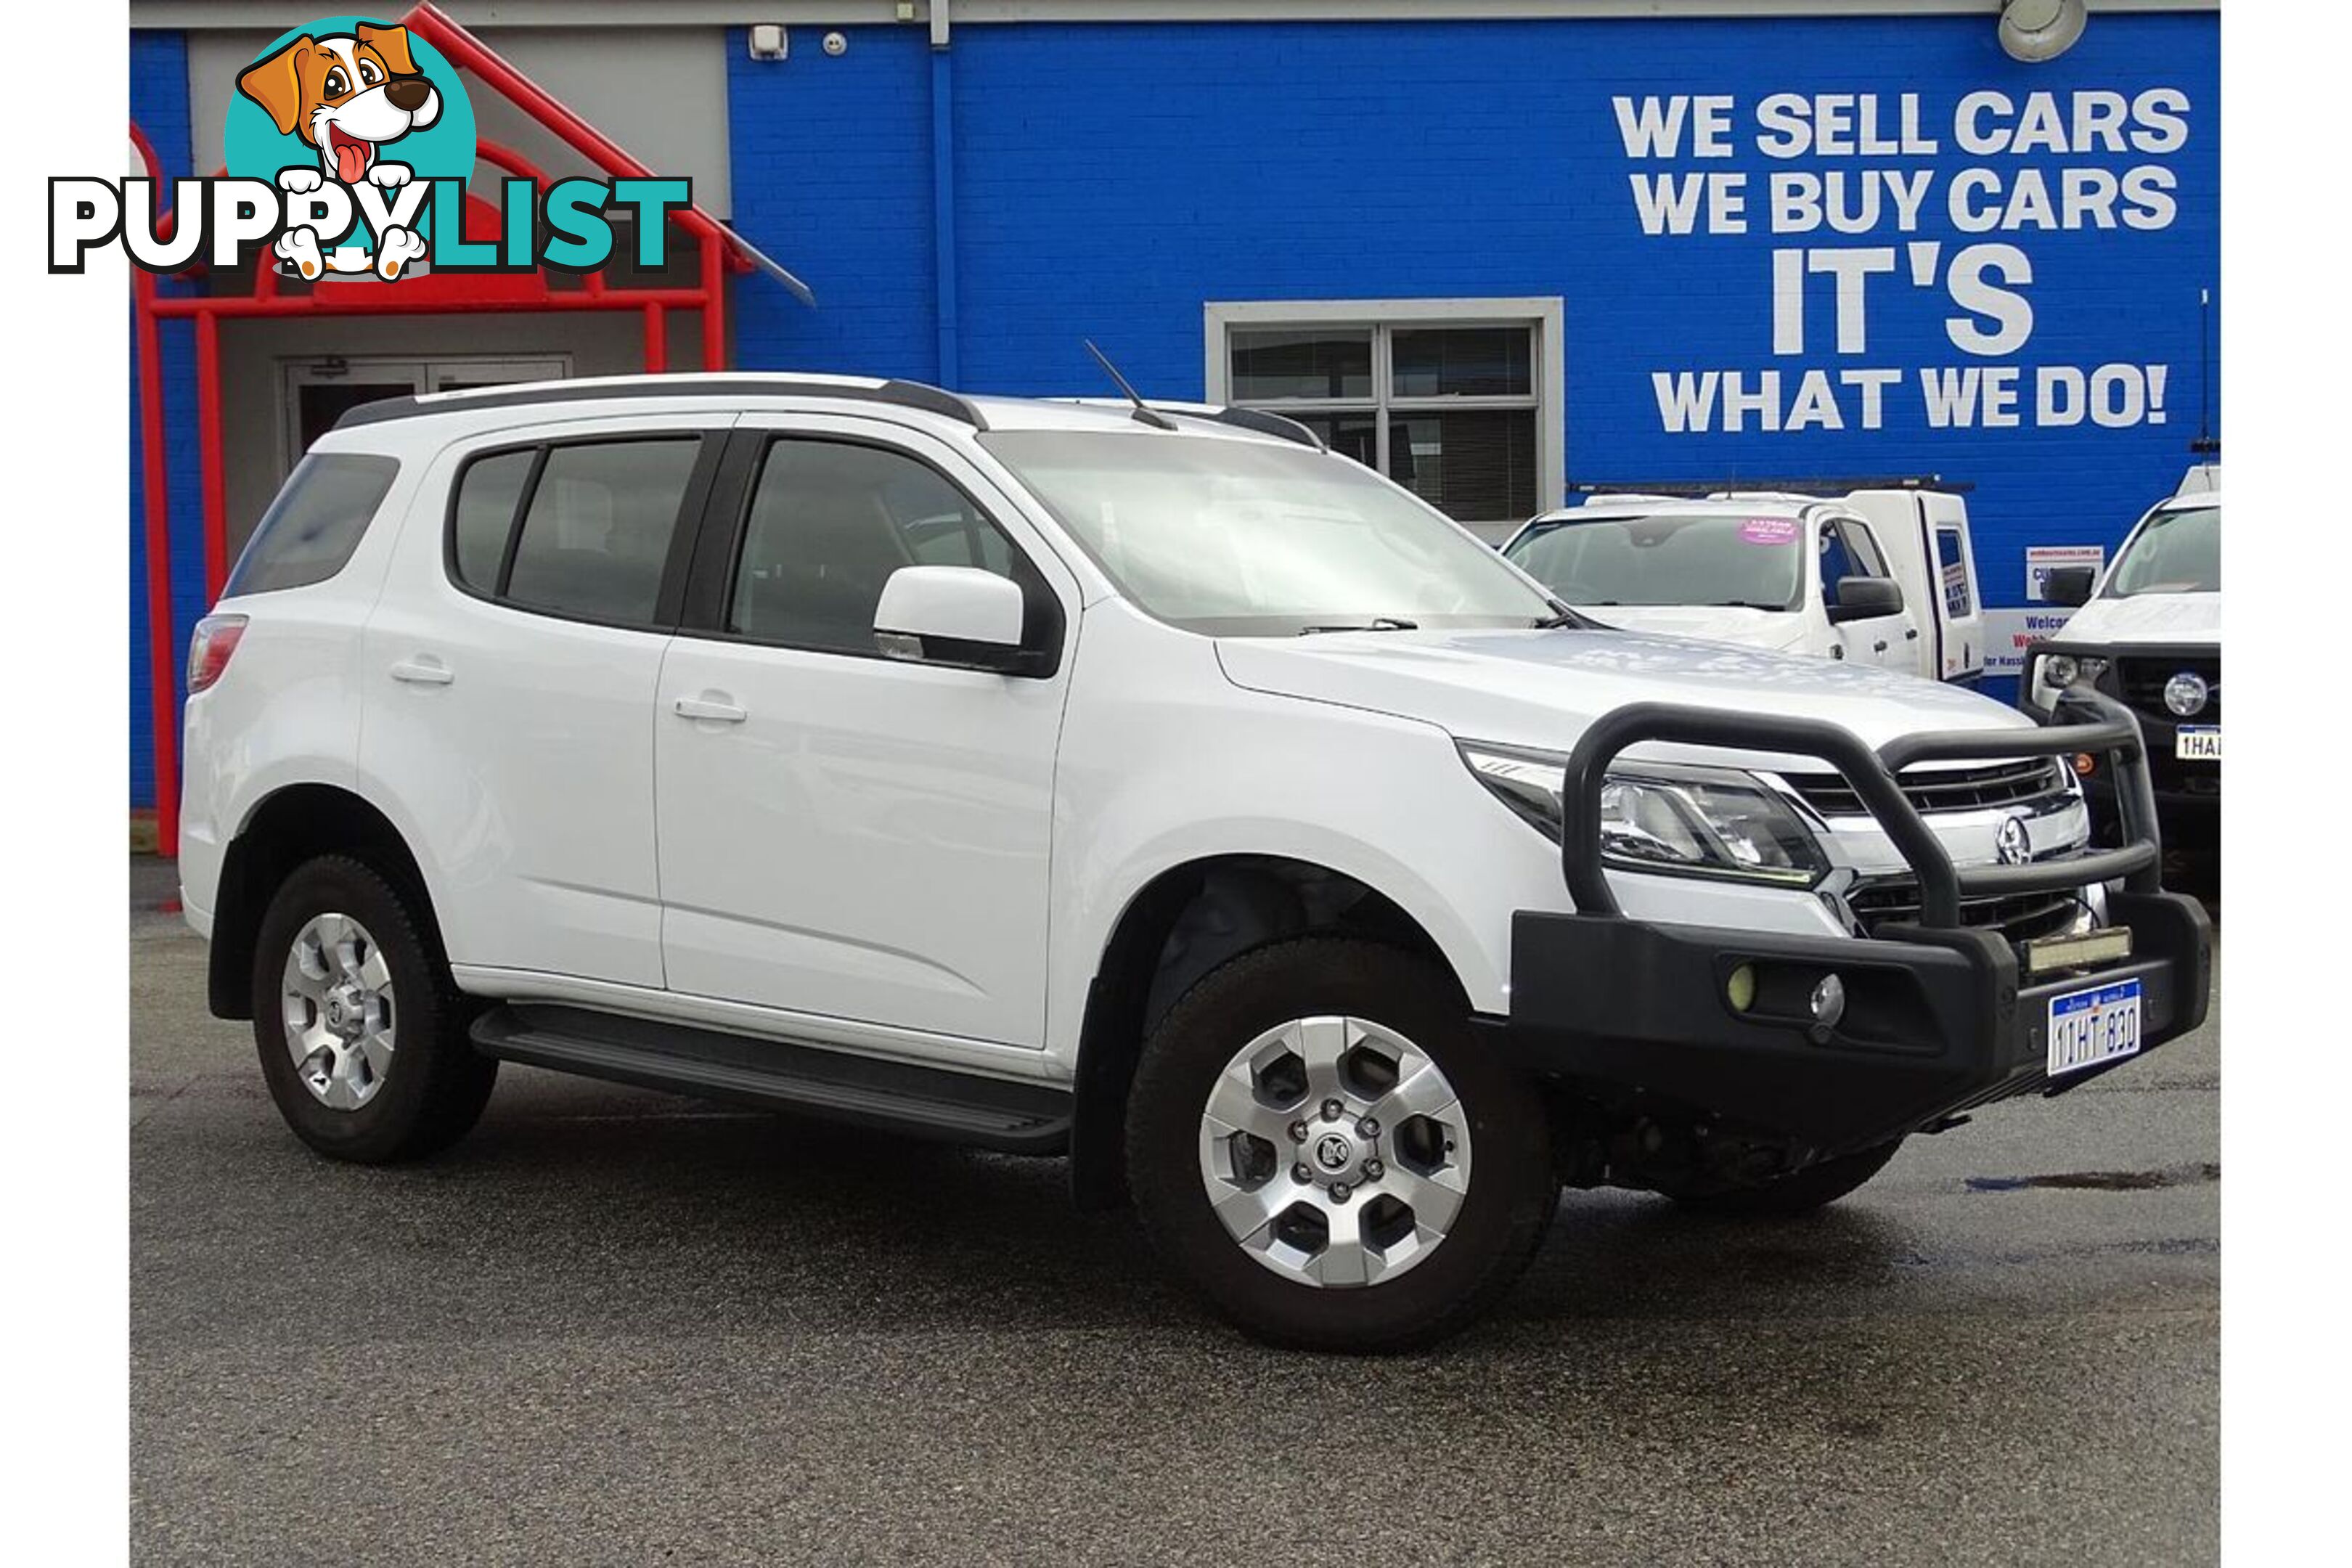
x=159, y=104
x=831, y=160
x=1112, y=178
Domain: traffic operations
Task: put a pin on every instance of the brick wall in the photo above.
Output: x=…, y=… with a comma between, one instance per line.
x=1109, y=179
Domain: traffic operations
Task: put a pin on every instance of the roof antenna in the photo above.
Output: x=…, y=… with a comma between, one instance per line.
x=1144, y=413
x=2205, y=443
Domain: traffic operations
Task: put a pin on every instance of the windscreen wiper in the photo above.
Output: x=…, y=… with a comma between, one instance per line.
x=1377, y=624
x=1567, y=617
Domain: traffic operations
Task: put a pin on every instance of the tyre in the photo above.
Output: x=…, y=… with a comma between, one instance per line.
x=361, y=1032
x=1328, y=1158
x=1815, y=1187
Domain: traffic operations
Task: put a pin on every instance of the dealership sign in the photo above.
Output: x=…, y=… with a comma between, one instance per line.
x=2040, y=560
x=1910, y=204
x=349, y=147
x=2009, y=632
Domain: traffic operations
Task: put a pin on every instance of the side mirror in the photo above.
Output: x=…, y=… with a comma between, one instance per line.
x=2070, y=586
x=1863, y=598
x=952, y=615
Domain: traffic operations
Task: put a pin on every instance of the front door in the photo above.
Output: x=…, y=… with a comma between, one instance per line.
x=842, y=833
x=1848, y=549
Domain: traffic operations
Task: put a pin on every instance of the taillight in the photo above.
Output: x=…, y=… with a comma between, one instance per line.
x=215, y=639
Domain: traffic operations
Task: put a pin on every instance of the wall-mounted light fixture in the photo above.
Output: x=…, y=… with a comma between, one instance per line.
x=2037, y=30
x=769, y=42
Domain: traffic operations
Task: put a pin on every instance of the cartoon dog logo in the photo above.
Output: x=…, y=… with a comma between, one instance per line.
x=348, y=95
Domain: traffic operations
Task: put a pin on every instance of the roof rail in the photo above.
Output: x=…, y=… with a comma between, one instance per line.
x=1827, y=486
x=1267, y=424
x=900, y=394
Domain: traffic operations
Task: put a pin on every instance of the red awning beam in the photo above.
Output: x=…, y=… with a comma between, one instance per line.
x=424, y=293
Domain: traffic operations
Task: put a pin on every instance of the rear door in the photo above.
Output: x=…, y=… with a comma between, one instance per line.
x=1959, y=609
x=509, y=674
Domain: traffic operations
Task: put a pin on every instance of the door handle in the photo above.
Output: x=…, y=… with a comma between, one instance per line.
x=1911, y=636
x=423, y=670
x=1878, y=646
x=712, y=709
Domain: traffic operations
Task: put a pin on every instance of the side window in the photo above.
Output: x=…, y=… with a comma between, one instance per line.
x=596, y=533
x=488, y=490
x=315, y=524
x=1847, y=551
x=830, y=522
x=1954, y=567
x=1862, y=546
x=1837, y=562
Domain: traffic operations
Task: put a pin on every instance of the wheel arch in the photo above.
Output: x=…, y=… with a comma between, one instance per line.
x=1186, y=920
x=285, y=828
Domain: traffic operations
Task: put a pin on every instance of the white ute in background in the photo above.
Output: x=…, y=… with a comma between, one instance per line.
x=1880, y=575
x=2147, y=631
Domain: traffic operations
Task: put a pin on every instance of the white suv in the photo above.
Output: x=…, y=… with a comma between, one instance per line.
x=1144, y=784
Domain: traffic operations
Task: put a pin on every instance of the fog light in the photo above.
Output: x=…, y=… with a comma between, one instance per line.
x=1828, y=1002
x=1741, y=992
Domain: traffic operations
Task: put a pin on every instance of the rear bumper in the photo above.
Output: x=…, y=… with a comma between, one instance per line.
x=1937, y=1022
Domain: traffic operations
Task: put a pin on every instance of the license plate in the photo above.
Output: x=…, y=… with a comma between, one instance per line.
x=2094, y=1025
x=2202, y=743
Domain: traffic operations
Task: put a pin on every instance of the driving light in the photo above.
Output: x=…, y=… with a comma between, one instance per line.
x=1828, y=1002
x=1709, y=822
x=2054, y=672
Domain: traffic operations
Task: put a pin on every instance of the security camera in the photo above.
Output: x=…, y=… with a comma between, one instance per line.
x=2037, y=30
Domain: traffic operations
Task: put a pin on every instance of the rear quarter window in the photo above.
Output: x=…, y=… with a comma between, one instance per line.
x=318, y=520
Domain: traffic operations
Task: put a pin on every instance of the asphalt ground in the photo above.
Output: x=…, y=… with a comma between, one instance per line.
x=623, y=1327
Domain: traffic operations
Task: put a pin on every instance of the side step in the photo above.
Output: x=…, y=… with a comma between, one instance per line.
x=927, y=1103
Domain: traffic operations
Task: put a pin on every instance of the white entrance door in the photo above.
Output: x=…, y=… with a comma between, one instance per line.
x=319, y=391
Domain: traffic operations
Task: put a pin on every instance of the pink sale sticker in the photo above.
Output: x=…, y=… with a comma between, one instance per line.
x=1769, y=531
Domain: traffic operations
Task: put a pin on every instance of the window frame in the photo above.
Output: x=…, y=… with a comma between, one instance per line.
x=1543, y=317
x=685, y=528
x=718, y=556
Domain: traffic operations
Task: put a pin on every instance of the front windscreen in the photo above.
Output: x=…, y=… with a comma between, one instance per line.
x=1251, y=538
x=2177, y=552
x=1711, y=558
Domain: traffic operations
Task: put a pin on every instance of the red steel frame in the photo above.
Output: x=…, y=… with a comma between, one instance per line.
x=428, y=293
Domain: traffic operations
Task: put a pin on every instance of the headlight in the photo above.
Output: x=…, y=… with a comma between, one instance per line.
x=2054, y=672
x=1657, y=817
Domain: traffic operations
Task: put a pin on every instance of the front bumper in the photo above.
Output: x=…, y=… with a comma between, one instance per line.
x=1937, y=1022
x=1938, y=1019
x=2188, y=793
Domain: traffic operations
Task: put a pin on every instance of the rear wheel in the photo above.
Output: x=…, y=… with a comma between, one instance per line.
x=1328, y=1157
x=361, y=1031
x=1815, y=1187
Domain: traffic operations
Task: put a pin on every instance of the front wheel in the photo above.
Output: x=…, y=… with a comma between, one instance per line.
x=1327, y=1156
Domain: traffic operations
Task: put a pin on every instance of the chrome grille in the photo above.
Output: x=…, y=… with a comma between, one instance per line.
x=1941, y=789
x=2019, y=917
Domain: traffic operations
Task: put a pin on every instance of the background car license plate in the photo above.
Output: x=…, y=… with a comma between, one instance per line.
x=2087, y=1027
x=2197, y=743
